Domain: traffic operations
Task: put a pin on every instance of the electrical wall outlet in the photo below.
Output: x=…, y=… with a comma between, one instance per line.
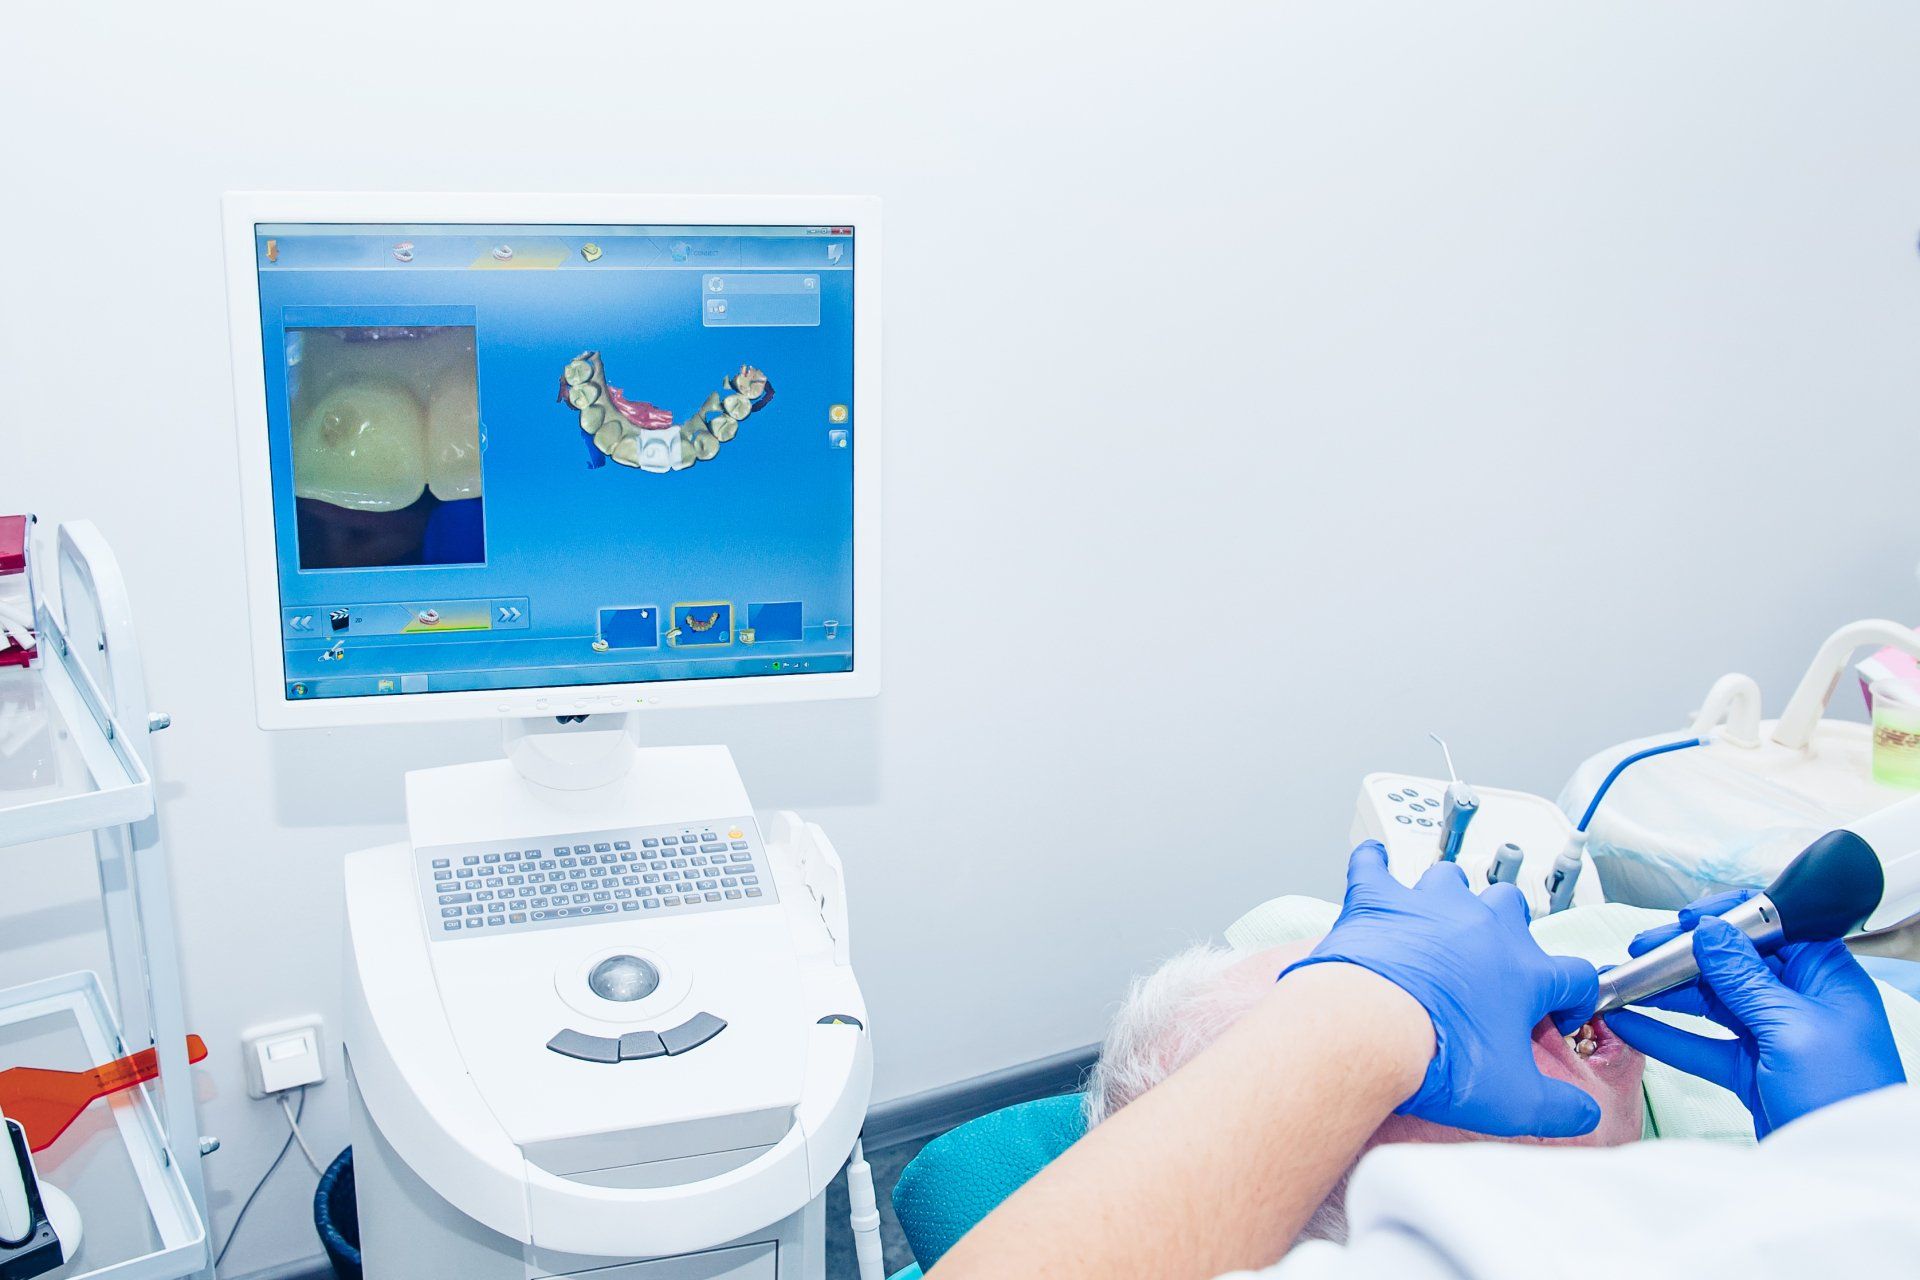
x=283, y=1055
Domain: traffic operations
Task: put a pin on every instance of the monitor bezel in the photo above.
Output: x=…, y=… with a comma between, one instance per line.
x=243, y=211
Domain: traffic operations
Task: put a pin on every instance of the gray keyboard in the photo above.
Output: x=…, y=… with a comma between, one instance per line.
x=496, y=887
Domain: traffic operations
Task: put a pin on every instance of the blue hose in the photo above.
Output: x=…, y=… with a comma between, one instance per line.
x=1621, y=768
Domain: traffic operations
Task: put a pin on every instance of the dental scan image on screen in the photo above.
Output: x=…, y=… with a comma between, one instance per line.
x=542, y=456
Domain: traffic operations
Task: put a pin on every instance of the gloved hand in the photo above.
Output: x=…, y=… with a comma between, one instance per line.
x=1809, y=1027
x=1474, y=967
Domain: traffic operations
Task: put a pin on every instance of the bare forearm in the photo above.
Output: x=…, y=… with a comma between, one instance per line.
x=1219, y=1166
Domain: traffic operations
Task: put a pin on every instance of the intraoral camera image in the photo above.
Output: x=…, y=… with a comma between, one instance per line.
x=386, y=446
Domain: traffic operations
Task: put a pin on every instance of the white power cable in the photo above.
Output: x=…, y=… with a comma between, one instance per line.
x=293, y=1123
x=865, y=1215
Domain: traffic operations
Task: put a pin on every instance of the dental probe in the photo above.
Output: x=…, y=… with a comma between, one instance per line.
x=1457, y=809
x=1866, y=876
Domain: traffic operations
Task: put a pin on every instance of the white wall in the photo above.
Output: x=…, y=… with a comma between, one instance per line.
x=1267, y=385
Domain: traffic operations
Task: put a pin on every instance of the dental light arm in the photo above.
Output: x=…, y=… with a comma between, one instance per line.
x=1865, y=877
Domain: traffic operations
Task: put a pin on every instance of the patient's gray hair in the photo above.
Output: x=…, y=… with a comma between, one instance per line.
x=1167, y=1018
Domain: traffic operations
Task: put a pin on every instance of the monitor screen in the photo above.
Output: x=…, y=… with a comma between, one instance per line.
x=516, y=457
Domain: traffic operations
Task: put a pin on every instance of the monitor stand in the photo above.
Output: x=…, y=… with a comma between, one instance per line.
x=564, y=775
x=573, y=753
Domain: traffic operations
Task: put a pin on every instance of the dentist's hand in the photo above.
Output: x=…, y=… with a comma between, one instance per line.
x=1808, y=1024
x=1472, y=964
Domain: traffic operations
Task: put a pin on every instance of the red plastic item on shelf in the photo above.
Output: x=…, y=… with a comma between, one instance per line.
x=13, y=544
x=45, y=1101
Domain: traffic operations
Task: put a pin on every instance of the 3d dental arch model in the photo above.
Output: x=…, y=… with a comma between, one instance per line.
x=636, y=434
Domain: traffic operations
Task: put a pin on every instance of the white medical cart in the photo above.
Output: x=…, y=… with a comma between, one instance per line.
x=75, y=758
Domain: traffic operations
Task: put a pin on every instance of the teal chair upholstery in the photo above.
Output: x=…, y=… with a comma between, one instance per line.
x=959, y=1177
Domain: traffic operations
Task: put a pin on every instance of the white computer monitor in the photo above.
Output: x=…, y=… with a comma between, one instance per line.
x=532, y=455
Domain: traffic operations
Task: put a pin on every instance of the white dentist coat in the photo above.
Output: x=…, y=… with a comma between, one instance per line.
x=1833, y=1195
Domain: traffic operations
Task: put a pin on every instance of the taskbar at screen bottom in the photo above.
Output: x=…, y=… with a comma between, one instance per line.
x=387, y=684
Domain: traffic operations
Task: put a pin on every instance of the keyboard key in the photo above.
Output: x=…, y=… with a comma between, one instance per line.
x=489, y=857
x=582, y=848
x=475, y=923
x=470, y=861
x=732, y=893
x=518, y=917
x=622, y=844
x=753, y=893
x=494, y=882
x=602, y=846
x=451, y=926
x=669, y=839
x=713, y=897
x=740, y=857
x=629, y=856
x=443, y=875
x=632, y=906
x=441, y=862
x=510, y=857
x=652, y=877
x=671, y=902
x=738, y=844
x=749, y=879
x=651, y=904
x=649, y=843
x=449, y=913
x=729, y=882
x=448, y=899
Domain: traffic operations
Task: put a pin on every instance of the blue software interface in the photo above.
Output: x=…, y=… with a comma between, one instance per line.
x=527, y=456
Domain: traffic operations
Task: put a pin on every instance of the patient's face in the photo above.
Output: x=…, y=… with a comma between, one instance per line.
x=1611, y=1072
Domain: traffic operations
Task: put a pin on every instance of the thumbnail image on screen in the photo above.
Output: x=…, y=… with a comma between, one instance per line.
x=386, y=446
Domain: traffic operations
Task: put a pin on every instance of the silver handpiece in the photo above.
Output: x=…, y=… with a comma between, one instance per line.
x=1671, y=963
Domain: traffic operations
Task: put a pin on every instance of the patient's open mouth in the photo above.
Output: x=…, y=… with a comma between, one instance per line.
x=1594, y=1037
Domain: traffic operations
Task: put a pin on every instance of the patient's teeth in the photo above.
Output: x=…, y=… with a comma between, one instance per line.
x=453, y=435
x=609, y=435
x=362, y=447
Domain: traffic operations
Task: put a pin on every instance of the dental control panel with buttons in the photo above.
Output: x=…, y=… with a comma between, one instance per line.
x=495, y=887
x=1404, y=813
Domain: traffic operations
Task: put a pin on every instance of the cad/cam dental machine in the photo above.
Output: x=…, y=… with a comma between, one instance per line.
x=567, y=461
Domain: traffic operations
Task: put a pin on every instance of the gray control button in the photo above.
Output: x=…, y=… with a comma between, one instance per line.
x=1425, y=822
x=739, y=844
x=1403, y=819
x=1396, y=797
x=732, y=893
x=650, y=843
x=671, y=902
x=602, y=846
x=443, y=875
x=442, y=862
x=631, y=906
x=489, y=857
x=622, y=844
x=518, y=917
x=749, y=879
x=740, y=857
x=636, y=1046
x=448, y=899
x=578, y=1044
x=730, y=882
x=475, y=922
x=451, y=926
x=753, y=893
x=652, y=903
x=692, y=1033
x=714, y=896
x=470, y=861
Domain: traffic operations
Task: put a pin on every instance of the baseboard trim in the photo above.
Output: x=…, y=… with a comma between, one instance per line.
x=923, y=1115
x=909, y=1119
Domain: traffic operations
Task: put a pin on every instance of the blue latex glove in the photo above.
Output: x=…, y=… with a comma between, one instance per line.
x=1474, y=967
x=1809, y=1027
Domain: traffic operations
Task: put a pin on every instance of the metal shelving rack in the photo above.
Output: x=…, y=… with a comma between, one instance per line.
x=79, y=717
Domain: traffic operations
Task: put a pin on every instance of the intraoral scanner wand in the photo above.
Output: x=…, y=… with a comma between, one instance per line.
x=1864, y=878
x=1458, y=809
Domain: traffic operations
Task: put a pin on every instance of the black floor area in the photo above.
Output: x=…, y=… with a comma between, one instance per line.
x=887, y=1165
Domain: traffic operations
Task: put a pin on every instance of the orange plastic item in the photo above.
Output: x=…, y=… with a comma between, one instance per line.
x=45, y=1101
